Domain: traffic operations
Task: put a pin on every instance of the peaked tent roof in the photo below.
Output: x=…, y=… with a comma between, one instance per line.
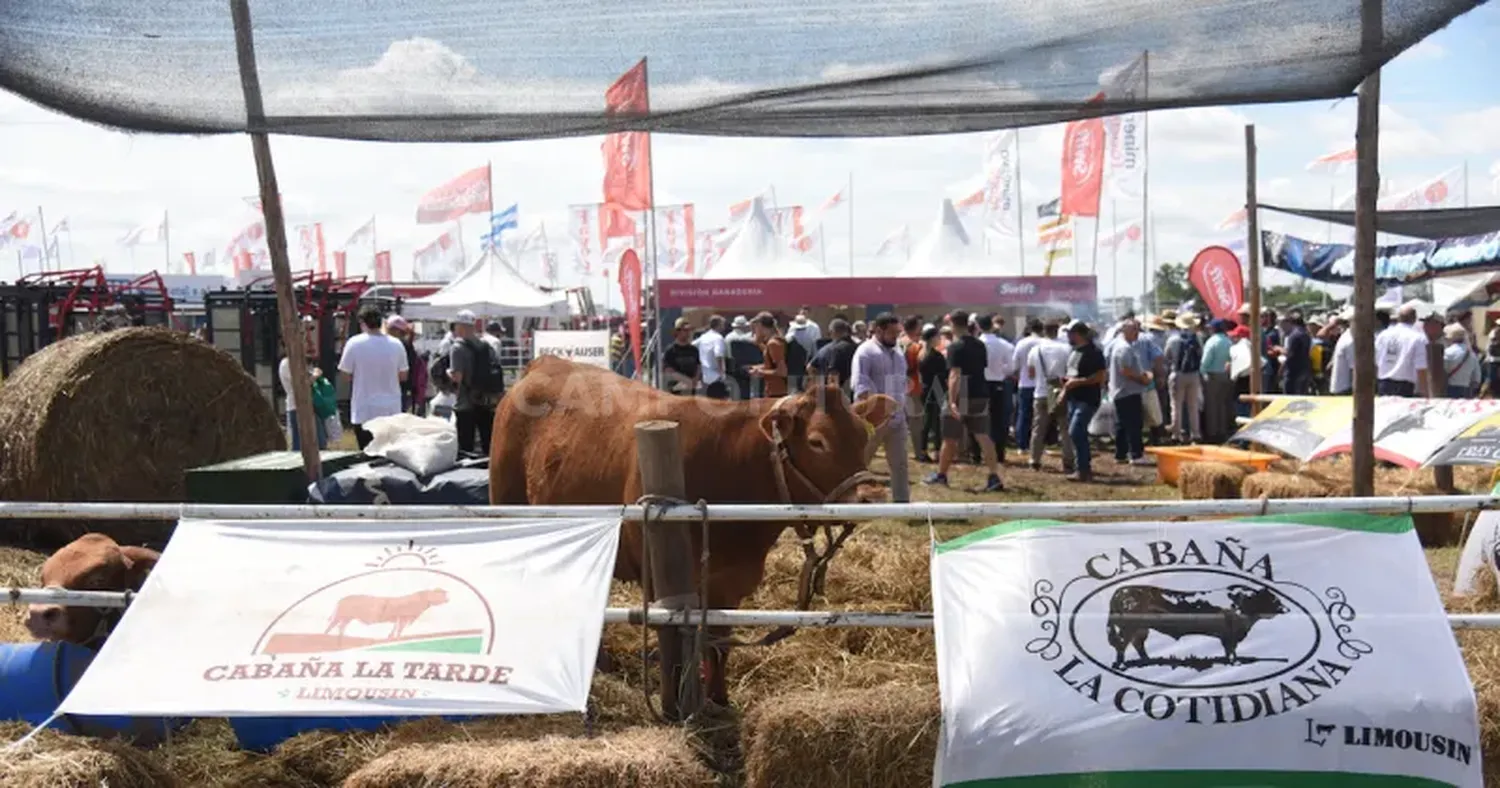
x=946, y=250
x=491, y=287
x=758, y=253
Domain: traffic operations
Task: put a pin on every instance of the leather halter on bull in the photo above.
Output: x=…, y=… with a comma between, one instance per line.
x=814, y=563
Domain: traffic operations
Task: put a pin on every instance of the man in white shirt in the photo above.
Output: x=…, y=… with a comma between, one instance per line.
x=1031, y=336
x=1460, y=364
x=997, y=377
x=1341, y=379
x=376, y=365
x=1047, y=362
x=1401, y=355
x=712, y=350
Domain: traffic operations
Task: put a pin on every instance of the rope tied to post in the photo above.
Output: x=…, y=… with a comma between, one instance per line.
x=662, y=503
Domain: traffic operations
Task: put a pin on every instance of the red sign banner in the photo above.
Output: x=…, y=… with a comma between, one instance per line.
x=630, y=290
x=627, y=154
x=1082, y=167
x=339, y=258
x=468, y=193
x=1215, y=273
x=383, y=267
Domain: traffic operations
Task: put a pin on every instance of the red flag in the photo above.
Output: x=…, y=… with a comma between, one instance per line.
x=468, y=193
x=690, y=227
x=1215, y=273
x=241, y=261
x=627, y=154
x=322, y=251
x=383, y=267
x=339, y=257
x=192, y=263
x=630, y=288
x=615, y=223
x=1082, y=167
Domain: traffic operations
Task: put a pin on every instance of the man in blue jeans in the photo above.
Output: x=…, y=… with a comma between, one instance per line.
x=1129, y=380
x=1025, y=382
x=1082, y=387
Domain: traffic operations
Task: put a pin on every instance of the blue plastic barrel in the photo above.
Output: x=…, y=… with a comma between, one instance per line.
x=35, y=677
x=262, y=734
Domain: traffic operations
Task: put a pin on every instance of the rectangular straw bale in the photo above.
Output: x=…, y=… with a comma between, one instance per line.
x=884, y=737
x=640, y=756
x=1281, y=485
x=1211, y=480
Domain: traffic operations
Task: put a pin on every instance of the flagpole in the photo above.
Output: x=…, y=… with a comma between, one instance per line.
x=1466, y=183
x=1147, y=286
x=1020, y=210
x=655, y=301
x=46, y=251
x=851, y=223
x=375, y=248
x=166, y=242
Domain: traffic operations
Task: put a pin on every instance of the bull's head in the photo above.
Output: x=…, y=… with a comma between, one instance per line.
x=827, y=439
x=435, y=596
x=1256, y=602
x=92, y=562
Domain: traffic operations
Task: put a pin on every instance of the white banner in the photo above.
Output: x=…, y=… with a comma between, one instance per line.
x=1444, y=191
x=584, y=238
x=676, y=238
x=1198, y=653
x=1125, y=135
x=1002, y=209
x=360, y=618
x=1410, y=431
x=584, y=347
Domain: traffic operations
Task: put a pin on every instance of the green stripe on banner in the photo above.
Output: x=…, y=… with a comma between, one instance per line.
x=460, y=645
x=1346, y=521
x=1206, y=779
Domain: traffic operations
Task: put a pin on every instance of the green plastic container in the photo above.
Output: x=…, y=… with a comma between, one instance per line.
x=275, y=477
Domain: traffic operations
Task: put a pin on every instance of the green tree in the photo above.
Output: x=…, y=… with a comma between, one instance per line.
x=1172, y=287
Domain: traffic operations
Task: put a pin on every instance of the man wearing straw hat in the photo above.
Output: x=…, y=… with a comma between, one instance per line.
x=1184, y=361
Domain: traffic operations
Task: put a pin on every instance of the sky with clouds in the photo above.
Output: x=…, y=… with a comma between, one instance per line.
x=1440, y=111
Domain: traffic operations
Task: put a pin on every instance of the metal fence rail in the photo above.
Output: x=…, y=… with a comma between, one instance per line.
x=662, y=617
x=1060, y=510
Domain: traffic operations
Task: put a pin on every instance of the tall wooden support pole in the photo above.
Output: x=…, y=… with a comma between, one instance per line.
x=270, y=200
x=1367, y=192
x=1252, y=260
x=669, y=550
x=1437, y=388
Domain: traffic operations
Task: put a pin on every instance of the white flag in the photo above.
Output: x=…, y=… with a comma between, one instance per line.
x=1002, y=208
x=1125, y=135
x=149, y=233
x=350, y=619
x=898, y=243
x=584, y=238
x=442, y=260
x=1444, y=191
x=1124, y=237
x=676, y=238
x=1199, y=653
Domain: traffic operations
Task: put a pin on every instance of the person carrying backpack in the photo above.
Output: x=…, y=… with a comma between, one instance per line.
x=1184, y=359
x=475, y=370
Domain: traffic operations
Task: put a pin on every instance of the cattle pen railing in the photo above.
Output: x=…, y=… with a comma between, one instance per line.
x=920, y=512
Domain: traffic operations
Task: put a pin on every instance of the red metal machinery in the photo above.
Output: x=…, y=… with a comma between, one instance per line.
x=145, y=296
x=79, y=287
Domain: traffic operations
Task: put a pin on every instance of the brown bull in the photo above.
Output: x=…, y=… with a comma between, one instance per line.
x=92, y=562
x=566, y=435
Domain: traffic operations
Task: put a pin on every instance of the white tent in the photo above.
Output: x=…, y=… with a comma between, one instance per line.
x=758, y=253
x=946, y=251
x=490, y=287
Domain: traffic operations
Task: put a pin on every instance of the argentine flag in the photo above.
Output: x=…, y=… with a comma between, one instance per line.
x=508, y=219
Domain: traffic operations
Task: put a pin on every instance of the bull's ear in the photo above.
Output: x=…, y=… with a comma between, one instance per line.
x=783, y=417
x=876, y=410
x=139, y=561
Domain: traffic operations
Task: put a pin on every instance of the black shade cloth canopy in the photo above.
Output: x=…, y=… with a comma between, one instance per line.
x=466, y=70
x=1430, y=224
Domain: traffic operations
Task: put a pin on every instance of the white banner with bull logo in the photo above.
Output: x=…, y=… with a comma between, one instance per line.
x=360, y=618
x=1284, y=652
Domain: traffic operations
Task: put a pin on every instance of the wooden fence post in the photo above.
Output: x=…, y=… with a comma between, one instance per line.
x=1437, y=388
x=669, y=550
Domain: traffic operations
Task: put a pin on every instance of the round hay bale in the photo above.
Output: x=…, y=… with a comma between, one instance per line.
x=886, y=736
x=1201, y=481
x=55, y=760
x=121, y=416
x=1281, y=485
x=640, y=756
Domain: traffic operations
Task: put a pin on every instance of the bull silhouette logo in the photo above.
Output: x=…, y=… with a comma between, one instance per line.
x=402, y=601
x=1203, y=631
x=1226, y=615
